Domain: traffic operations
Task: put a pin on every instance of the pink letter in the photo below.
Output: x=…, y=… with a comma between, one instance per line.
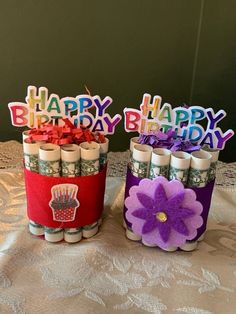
x=18, y=113
x=132, y=119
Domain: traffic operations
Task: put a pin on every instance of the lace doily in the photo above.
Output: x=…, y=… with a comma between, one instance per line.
x=11, y=157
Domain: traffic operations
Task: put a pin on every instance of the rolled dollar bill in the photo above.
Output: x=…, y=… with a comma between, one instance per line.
x=49, y=160
x=70, y=167
x=160, y=162
x=49, y=165
x=214, y=159
x=70, y=160
x=179, y=166
x=104, y=147
x=73, y=235
x=133, y=141
x=31, y=152
x=31, y=155
x=103, y=151
x=199, y=167
x=141, y=160
x=25, y=135
x=90, y=153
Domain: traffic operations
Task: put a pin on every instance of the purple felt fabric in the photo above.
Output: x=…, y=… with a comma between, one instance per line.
x=204, y=196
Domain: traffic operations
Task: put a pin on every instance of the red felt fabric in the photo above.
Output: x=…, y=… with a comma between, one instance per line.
x=90, y=195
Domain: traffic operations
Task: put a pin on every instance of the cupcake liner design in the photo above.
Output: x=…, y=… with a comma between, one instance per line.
x=64, y=202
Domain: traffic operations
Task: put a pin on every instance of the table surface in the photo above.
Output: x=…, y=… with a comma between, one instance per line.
x=108, y=273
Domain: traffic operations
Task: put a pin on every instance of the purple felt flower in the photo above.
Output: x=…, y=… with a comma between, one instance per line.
x=163, y=212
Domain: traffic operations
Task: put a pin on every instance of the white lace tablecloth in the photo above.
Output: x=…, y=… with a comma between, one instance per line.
x=108, y=273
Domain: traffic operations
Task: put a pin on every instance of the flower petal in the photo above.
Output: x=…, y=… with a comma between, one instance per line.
x=145, y=200
x=164, y=230
x=185, y=213
x=149, y=225
x=175, y=201
x=142, y=213
x=160, y=194
x=181, y=213
x=180, y=227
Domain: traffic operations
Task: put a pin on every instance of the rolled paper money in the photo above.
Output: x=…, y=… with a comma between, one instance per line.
x=199, y=167
x=70, y=160
x=73, y=235
x=141, y=160
x=49, y=165
x=49, y=160
x=54, y=234
x=103, y=151
x=160, y=161
x=90, y=230
x=25, y=135
x=133, y=141
x=31, y=155
x=131, y=235
x=189, y=246
x=70, y=167
x=214, y=159
x=31, y=151
x=90, y=153
x=179, y=166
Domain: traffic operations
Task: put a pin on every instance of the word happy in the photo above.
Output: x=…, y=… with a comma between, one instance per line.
x=39, y=109
x=184, y=121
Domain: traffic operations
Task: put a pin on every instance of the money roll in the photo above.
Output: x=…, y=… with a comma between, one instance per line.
x=199, y=168
x=179, y=166
x=70, y=160
x=31, y=152
x=25, y=135
x=133, y=141
x=160, y=161
x=70, y=167
x=103, y=152
x=49, y=165
x=214, y=159
x=141, y=160
x=90, y=153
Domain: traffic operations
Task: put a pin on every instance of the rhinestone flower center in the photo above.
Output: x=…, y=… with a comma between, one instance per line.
x=161, y=216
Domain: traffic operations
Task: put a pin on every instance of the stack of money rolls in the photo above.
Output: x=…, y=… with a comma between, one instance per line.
x=195, y=170
x=65, y=161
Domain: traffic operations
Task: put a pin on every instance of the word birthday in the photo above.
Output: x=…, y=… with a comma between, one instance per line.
x=39, y=109
x=184, y=121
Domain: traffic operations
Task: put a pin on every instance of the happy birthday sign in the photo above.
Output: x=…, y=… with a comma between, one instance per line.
x=153, y=117
x=39, y=109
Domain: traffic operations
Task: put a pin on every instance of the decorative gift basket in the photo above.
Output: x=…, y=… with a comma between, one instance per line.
x=65, y=161
x=171, y=173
